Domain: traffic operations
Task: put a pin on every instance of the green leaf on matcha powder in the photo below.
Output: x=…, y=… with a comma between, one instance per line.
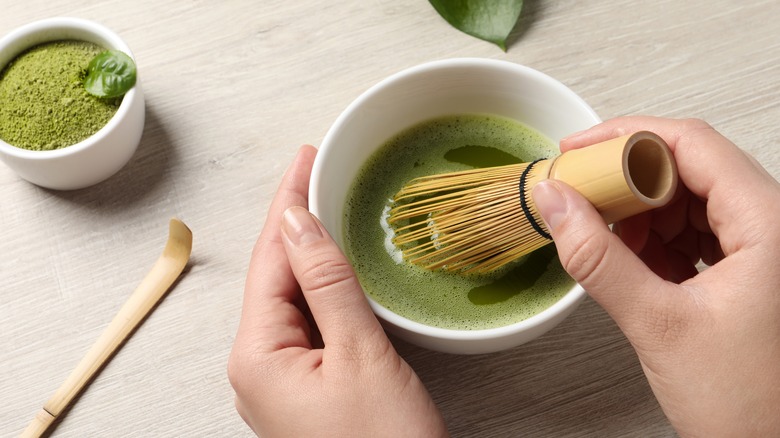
x=110, y=74
x=489, y=20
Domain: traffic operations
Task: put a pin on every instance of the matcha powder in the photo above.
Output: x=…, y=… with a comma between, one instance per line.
x=43, y=103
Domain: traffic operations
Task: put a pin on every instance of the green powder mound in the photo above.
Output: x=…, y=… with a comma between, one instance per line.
x=43, y=103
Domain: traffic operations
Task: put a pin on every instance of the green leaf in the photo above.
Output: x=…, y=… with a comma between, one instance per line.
x=489, y=20
x=110, y=74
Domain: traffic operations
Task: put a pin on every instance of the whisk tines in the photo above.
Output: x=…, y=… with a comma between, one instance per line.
x=472, y=221
x=479, y=220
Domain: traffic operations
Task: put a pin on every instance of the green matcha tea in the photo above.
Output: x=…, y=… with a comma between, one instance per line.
x=508, y=295
x=43, y=103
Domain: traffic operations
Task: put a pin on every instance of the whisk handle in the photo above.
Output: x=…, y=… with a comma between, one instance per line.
x=623, y=176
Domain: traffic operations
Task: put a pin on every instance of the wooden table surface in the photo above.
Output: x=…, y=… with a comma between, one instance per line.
x=233, y=88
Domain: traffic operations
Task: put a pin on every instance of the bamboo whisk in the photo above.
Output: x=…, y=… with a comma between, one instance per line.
x=476, y=221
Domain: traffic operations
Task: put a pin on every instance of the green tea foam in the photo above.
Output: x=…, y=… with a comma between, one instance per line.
x=509, y=295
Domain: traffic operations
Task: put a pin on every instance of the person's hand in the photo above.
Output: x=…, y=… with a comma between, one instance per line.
x=709, y=342
x=310, y=358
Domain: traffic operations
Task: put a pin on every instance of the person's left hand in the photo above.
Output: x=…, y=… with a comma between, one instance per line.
x=310, y=357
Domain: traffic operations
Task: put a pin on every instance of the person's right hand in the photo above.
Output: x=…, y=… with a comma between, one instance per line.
x=709, y=342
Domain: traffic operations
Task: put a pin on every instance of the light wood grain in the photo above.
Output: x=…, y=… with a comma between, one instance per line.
x=233, y=88
x=163, y=274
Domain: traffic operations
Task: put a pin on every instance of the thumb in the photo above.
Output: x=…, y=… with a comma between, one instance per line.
x=328, y=282
x=595, y=257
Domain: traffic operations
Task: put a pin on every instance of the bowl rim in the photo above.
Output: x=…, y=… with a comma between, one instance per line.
x=568, y=301
x=55, y=25
x=571, y=298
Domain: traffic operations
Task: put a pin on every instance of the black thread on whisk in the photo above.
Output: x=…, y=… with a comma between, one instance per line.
x=524, y=204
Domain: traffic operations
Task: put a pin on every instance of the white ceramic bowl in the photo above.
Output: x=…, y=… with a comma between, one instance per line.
x=420, y=93
x=99, y=156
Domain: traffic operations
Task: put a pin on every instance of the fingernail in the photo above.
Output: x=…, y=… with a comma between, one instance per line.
x=550, y=203
x=299, y=226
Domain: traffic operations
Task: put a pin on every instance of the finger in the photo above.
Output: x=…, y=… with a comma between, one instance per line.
x=633, y=231
x=328, y=282
x=617, y=127
x=596, y=258
x=687, y=244
x=719, y=173
x=666, y=261
x=697, y=215
x=709, y=248
x=653, y=254
x=704, y=157
x=710, y=166
x=292, y=191
x=670, y=220
x=680, y=268
x=270, y=318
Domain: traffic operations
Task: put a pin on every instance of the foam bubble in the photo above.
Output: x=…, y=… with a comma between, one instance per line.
x=395, y=254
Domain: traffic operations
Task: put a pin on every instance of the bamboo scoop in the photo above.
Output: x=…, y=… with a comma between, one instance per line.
x=164, y=272
x=479, y=220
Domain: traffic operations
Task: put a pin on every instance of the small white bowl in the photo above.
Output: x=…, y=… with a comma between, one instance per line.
x=455, y=86
x=97, y=157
